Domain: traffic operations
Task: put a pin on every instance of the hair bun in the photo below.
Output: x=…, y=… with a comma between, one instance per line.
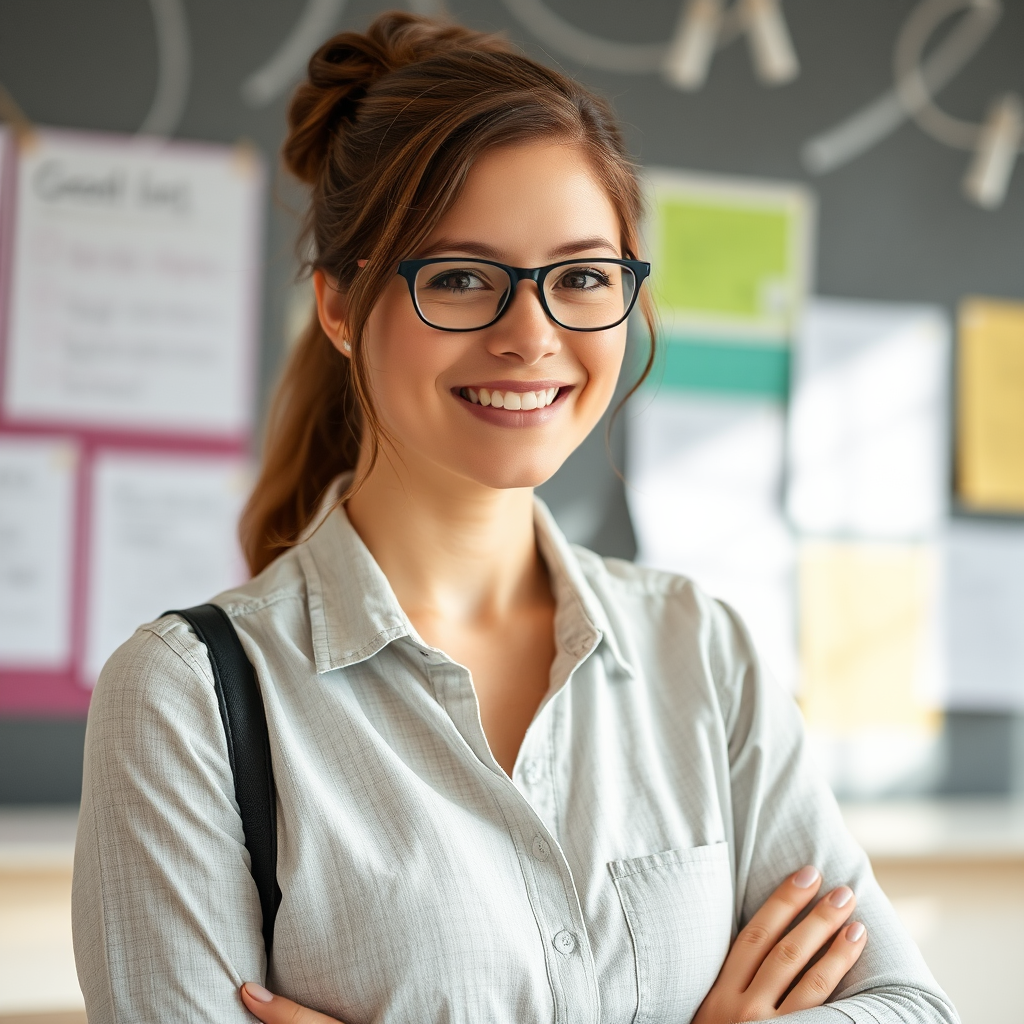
x=344, y=68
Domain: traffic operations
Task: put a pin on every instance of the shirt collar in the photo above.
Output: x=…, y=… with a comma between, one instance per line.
x=354, y=612
x=575, y=598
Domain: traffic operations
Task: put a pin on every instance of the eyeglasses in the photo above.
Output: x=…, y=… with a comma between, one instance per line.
x=453, y=294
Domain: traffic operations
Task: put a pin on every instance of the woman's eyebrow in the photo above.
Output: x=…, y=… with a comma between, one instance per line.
x=469, y=247
x=464, y=247
x=583, y=245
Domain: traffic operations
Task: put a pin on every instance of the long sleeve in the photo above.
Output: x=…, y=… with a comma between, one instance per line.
x=784, y=814
x=165, y=914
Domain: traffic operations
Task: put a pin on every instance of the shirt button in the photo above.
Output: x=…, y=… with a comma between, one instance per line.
x=532, y=772
x=565, y=942
x=541, y=850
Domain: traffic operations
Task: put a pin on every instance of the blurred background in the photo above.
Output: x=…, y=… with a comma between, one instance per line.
x=832, y=439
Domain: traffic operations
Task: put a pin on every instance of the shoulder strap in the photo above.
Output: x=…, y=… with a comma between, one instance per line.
x=245, y=727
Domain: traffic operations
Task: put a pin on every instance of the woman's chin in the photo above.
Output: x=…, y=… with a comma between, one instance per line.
x=499, y=472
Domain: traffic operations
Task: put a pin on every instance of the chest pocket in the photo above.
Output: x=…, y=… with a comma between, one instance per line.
x=679, y=908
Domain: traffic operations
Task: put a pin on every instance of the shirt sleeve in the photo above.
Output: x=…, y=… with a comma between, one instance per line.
x=166, y=916
x=784, y=816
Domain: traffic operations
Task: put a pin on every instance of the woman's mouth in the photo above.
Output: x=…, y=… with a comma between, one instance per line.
x=511, y=400
x=513, y=403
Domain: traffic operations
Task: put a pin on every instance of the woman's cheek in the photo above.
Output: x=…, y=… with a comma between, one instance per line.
x=602, y=363
x=404, y=366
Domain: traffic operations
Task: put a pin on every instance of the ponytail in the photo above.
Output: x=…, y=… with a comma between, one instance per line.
x=313, y=432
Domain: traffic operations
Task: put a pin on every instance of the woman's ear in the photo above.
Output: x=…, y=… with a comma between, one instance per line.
x=332, y=309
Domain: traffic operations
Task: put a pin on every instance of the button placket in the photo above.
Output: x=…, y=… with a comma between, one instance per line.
x=533, y=772
x=552, y=894
x=551, y=891
x=528, y=809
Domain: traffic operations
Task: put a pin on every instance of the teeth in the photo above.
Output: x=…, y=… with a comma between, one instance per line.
x=525, y=400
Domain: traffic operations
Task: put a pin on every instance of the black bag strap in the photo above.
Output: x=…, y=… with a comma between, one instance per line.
x=245, y=727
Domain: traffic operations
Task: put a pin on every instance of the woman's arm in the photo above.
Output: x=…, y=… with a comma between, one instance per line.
x=783, y=814
x=757, y=979
x=166, y=915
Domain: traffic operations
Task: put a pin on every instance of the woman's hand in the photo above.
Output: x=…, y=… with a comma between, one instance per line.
x=765, y=959
x=273, y=1009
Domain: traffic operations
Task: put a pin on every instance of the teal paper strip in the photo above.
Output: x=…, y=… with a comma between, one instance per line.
x=726, y=367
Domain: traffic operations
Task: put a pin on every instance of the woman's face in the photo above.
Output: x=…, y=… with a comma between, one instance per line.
x=525, y=206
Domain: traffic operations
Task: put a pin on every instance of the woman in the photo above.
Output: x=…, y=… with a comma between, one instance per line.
x=516, y=782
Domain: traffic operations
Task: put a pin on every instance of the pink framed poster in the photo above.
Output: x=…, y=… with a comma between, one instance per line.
x=129, y=286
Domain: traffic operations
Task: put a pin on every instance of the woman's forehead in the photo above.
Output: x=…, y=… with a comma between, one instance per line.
x=538, y=197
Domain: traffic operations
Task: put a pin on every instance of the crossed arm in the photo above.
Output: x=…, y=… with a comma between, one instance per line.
x=772, y=969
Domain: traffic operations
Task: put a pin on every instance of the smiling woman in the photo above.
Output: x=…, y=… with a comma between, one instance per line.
x=515, y=781
x=385, y=132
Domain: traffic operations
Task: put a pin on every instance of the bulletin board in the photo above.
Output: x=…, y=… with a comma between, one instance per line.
x=900, y=237
x=129, y=282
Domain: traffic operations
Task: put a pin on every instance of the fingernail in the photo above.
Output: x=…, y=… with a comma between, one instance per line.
x=258, y=992
x=805, y=877
x=855, y=931
x=841, y=896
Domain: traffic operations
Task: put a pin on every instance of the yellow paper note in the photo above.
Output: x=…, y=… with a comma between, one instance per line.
x=865, y=629
x=990, y=405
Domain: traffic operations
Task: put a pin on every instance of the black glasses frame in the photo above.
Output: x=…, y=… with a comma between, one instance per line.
x=410, y=268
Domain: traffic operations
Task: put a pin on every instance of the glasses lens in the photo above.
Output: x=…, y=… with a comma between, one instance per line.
x=461, y=294
x=590, y=295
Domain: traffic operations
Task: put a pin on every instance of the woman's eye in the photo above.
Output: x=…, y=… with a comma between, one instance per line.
x=456, y=281
x=584, y=279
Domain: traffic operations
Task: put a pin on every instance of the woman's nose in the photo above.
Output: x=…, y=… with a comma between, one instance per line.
x=525, y=331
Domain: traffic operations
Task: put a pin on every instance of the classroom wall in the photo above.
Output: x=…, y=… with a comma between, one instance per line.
x=892, y=224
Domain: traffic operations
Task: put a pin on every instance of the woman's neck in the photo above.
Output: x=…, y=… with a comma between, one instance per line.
x=452, y=550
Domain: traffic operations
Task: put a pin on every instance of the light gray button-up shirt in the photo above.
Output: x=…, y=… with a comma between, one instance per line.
x=661, y=793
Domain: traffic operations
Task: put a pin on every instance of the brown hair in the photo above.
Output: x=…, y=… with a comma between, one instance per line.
x=384, y=131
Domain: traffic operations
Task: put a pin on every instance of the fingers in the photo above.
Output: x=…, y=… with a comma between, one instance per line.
x=824, y=977
x=273, y=1009
x=794, y=951
x=767, y=926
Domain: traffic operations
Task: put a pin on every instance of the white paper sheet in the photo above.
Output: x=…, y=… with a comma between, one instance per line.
x=163, y=536
x=134, y=291
x=704, y=489
x=868, y=440
x=984, y=615
x=37, y=520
